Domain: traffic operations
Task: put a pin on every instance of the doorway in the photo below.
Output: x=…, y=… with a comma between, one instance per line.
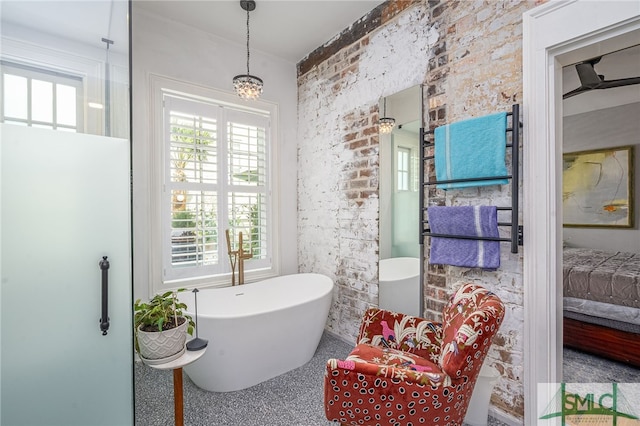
x=552, y=38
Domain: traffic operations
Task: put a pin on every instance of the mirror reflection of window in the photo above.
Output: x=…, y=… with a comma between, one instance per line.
x=403, y=174
x=399, y=190
x=400, y=287
x=40, y=98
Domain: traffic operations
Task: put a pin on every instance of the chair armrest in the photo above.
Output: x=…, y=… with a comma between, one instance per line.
x=403, y=332
x=434, y=377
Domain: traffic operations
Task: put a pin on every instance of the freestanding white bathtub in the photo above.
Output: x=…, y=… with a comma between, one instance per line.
x=258, y=331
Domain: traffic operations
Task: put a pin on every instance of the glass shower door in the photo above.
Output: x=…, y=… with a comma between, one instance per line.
x=65, y=205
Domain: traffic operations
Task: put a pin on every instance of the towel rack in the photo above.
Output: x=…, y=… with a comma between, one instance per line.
x=516, y=230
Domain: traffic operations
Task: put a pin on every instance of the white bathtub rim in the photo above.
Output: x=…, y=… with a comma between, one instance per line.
x=317, y=294
x=399, y=268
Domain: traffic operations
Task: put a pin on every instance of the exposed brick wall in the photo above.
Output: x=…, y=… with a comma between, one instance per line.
x=477, y=69
x=468, y=56
x=359, y=29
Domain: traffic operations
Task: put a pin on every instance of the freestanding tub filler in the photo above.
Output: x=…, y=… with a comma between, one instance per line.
x=258, y=331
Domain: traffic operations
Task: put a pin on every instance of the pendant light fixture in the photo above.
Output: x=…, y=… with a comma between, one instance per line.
x=385, y=124
x=247, y=86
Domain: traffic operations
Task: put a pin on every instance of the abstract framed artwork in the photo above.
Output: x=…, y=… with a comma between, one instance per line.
x=597, y=188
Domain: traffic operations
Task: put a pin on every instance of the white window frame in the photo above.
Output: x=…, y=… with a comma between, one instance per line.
x=54, y=77
x=230, y=104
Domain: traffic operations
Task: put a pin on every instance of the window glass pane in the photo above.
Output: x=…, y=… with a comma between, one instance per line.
x=247, y=159
x=193, y=149
x=247, y=214
x=403, y=169
x=66, y=105
x=194, y=224
x=15, y=96
x=42, y=100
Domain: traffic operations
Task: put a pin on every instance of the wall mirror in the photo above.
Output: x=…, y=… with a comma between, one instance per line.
x=399, y=267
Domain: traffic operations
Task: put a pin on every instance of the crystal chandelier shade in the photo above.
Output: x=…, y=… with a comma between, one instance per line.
x=248, y=86
x=385, y=124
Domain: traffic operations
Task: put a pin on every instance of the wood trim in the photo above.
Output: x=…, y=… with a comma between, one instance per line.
x=606, y=342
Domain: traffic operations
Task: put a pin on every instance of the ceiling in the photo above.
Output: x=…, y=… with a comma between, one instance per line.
x=289, y=30
x=286, y=29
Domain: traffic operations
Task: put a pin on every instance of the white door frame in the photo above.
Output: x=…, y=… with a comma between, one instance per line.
x=554, y=34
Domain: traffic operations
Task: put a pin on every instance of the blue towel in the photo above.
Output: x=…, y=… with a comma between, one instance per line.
x=470, y=149
x=476, y=221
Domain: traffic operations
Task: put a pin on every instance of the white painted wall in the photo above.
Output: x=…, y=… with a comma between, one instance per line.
x=177, y=51
x=599, y=129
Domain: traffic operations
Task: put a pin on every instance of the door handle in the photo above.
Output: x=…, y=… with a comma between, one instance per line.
x=104, y=319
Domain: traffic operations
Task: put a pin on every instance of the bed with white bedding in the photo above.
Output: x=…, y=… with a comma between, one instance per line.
x=602, y=303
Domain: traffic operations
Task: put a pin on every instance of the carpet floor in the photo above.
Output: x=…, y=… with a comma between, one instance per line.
x=295, y=398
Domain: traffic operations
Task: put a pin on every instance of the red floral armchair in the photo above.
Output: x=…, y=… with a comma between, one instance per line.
x=409, y=371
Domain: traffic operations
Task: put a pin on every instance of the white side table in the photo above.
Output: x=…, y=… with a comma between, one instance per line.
x=176, y=365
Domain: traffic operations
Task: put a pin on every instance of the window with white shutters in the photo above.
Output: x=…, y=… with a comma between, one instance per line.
x=216, y=178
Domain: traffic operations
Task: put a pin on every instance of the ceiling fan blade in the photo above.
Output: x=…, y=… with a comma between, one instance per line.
x=587, y=74
x=607, y=84
x=575, y=92
x=589, y=79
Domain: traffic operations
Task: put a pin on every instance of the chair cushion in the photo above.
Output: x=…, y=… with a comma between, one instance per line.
x=471, y=314
x=388, y=362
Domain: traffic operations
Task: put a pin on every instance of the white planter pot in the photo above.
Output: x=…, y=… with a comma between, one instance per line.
x=162, y=346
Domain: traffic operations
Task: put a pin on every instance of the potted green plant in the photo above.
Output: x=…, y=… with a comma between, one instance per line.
x=161, y=327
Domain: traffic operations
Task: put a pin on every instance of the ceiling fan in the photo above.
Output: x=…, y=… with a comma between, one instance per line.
x=590, y=79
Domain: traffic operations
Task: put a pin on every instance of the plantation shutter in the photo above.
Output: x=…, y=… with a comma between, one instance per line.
x=247, y=183
x=191, y=189
x=216, y=178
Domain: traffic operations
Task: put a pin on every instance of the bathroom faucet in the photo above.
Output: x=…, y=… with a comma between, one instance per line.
x=237, y=257
x=233, y=258
x=242, y=256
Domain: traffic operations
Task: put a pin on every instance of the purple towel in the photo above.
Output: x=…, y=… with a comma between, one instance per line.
x=476, y=221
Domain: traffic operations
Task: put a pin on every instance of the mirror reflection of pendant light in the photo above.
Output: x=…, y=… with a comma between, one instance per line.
x=247, y=86
x=385, y=124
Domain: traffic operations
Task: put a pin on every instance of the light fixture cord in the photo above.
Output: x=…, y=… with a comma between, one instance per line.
x=248, y=73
